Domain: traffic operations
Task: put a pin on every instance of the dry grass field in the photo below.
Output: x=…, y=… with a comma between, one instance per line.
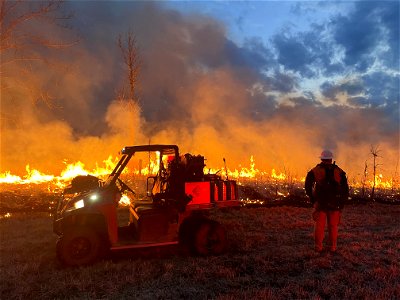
x=270, y=257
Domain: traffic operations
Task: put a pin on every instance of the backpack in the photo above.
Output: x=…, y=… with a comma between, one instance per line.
x=327, y=189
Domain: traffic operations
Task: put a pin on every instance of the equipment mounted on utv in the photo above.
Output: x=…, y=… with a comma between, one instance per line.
x=173, y=211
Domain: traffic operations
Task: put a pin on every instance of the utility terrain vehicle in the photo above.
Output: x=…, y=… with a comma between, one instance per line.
x=171, y=211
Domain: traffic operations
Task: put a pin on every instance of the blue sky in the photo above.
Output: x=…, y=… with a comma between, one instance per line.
x=262, y=19
x=306, y=75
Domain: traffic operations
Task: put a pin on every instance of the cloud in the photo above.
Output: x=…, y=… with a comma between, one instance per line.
x=293, y=54
x=368, y=28
x=351, y=88
x=253, y=54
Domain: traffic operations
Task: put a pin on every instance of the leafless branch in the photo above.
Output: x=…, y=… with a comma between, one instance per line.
x=21, y=45
x=40, y=11
x=130, y=55
x=374, y=150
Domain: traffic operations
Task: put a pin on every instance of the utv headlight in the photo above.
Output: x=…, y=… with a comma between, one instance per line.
x=94, y=197
x=79, y=204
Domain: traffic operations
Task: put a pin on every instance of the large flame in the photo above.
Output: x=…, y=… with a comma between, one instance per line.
x=72, y=170
x=381, y=183
x=78, y=168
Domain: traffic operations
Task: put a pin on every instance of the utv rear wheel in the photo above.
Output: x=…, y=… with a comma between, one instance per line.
x=210, y=238
x=79, y=246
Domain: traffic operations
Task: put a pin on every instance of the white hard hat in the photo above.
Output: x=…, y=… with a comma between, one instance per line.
x=326, y=154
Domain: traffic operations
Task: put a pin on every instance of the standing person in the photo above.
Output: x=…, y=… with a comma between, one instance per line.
x=326, y=186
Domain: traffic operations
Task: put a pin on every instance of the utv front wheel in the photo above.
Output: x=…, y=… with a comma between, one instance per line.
x=79, y=246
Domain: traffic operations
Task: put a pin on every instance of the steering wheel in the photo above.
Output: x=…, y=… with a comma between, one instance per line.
x=124, y=186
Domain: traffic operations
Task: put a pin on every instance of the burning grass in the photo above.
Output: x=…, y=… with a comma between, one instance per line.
x=270, y=256
x=41, y=197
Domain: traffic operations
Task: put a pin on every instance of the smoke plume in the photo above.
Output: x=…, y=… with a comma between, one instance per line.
x=200, y=90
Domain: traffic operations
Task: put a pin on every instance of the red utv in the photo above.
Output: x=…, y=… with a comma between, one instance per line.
x=172, y=210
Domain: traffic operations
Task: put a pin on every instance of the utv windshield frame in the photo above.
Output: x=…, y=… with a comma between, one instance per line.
x=129, y=151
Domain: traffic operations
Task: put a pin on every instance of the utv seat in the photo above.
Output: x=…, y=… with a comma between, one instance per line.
x=142, y=203
x=148, y=209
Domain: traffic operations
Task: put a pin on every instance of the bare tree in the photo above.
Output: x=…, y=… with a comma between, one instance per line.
x=374, y=150
x=364, y=180
x=289, y=180
x=23, y=42
x=14, y=15
x=128, y=95
x=395, y=178
x=130, y=55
